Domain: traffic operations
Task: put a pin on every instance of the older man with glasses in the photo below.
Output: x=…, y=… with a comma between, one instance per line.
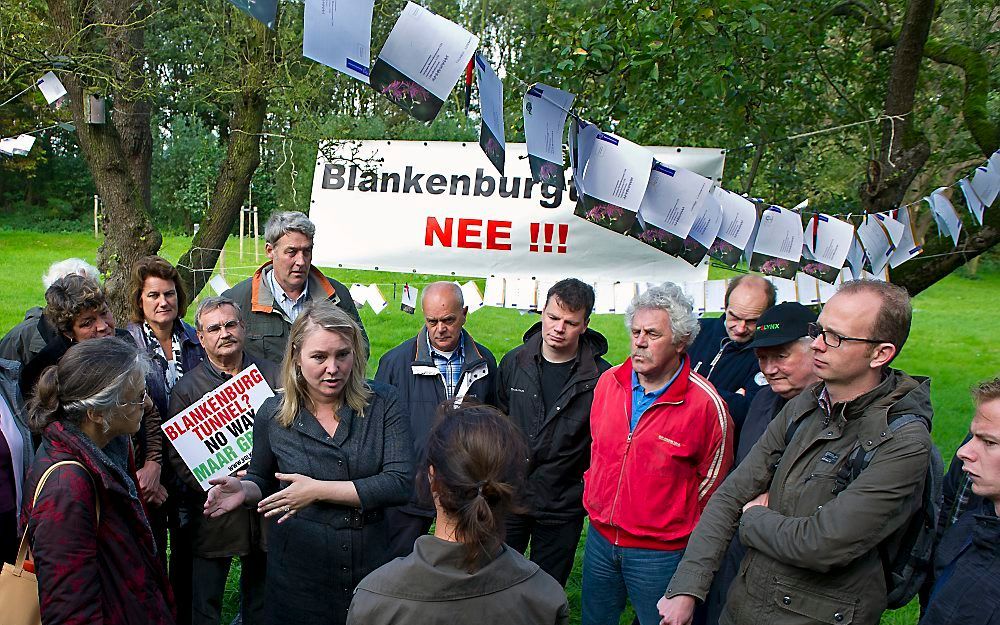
x=222, y=334
x=816, y=531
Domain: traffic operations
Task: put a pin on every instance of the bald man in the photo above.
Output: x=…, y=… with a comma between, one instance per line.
x=722, y=351
x=442, y=362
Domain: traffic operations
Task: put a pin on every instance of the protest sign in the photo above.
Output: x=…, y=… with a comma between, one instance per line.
x=440, y=208
x=214, y=436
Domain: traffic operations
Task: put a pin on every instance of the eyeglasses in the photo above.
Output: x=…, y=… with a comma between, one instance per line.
x=832, y=339
x=138, y=402
x=215, y=327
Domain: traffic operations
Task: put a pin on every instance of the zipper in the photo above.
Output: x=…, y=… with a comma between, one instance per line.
x=715, y=361
x=621, y=474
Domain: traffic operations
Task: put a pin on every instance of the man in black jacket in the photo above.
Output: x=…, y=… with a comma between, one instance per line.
x=441, y=363
x=546, y=386
x=721, y=352
x=966, y=584
x=216, y=541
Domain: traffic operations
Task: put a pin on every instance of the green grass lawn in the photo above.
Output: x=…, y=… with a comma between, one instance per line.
x=949, y=340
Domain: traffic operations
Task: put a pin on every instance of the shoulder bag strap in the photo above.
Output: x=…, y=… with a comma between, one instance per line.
x=23, y=551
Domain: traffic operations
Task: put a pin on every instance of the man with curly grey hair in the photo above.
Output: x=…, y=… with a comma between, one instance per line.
x=662, y=444
x=273, y=297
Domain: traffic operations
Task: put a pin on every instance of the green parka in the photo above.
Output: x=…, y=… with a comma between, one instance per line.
x=812, y=553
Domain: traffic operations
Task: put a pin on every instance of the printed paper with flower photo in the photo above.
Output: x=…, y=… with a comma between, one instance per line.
x=491, y=131
x=544, y=109
x=777, y=248
x=739, y=216
x=827, y=242
x=422, y=59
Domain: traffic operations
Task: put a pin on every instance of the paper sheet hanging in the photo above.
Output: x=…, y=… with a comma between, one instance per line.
x=777, y=248
x=544, y=109
x=492, y=139
x=338, y=34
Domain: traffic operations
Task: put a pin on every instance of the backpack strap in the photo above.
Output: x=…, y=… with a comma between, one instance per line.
x=859, y=459
x=23, y=551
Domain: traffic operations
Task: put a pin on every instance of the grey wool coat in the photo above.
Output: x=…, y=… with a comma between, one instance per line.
x=317, y=557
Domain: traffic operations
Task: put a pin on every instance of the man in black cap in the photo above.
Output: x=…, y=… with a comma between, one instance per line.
x=781, y=344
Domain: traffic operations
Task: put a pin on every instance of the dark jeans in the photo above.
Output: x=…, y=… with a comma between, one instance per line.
x=210, y=574
x=180, y=572
x=8, y=535
x=403, y=529
x=611, y=574
x=553, y=545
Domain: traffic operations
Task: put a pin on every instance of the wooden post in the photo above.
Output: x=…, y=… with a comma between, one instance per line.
x=222, y=263
x=97, y=200
x=243, y=218
x=256, y=237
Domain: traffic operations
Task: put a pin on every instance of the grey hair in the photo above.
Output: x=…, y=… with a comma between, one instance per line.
x=281, y=223
x=212, y=303
x=70, y=266
x=90, y=377
x=456, y=291
x=671, y=299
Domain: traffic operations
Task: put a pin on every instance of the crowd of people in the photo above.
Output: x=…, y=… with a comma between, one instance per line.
x=766, y=466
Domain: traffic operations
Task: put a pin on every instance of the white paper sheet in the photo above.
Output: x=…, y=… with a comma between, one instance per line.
x=945, y=214
x=544, y=109
x=895, y=229
x=542, y=291
x=673, y=198
x=972, y=201
x=706, y=227
x=582, y=137
x=493, y=293
x=473, y=299
x=604, y=298
x=827, y=240
x=986, y=183
x=624, y=294
x=856, y=258
x=338, y=34
x=421, y=61
x=826, y=291
x=218, y=284
x=739, y=216
x=492, y=139
x=359, y=293
x=51, y=87
x=696, y=291
x=521, y=293
x=17, y=146
x=617, y=171
x=907, y=247
x=408, y=299
x=807, y=289
x=715, y=295
x=777, y=248
x=785, y=290
x=876, y=242
x=375, y=299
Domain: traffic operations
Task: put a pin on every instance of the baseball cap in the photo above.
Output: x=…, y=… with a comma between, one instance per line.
x=782, y=324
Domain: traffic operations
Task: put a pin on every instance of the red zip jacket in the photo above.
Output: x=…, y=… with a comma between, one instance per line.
x=648, y=488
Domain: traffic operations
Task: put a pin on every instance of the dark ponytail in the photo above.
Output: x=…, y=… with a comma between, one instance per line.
x=479, y=460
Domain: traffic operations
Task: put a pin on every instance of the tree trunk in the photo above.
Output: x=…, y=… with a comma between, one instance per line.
x=242, y=159
x=119, y=153
x=904, y=150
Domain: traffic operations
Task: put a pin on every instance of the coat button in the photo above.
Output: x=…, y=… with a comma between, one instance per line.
x=786, y=600
x=340, y=463
x=838, y=617
x=343, y=547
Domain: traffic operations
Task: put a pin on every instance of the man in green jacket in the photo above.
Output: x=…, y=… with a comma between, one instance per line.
x=274, y=296
x=814, y=538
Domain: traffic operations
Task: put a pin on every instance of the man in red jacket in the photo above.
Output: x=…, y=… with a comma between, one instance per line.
x=662, y=444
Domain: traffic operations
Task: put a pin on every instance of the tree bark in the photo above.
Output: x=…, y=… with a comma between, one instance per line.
x=119, y=153
x=904, y=151
x=233, y=183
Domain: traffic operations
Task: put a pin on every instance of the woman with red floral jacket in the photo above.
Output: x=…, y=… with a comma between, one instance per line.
x=93, y=550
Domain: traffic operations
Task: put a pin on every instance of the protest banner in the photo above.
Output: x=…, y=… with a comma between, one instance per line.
x=440, y=208
x=214, y=436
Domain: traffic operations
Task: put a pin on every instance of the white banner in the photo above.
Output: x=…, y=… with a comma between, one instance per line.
x=441, y=208
x=214, y=435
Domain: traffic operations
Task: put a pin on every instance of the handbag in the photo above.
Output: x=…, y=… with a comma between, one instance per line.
x=18, y=584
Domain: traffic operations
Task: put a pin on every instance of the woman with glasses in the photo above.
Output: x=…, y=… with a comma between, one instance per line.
x=92, y=547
